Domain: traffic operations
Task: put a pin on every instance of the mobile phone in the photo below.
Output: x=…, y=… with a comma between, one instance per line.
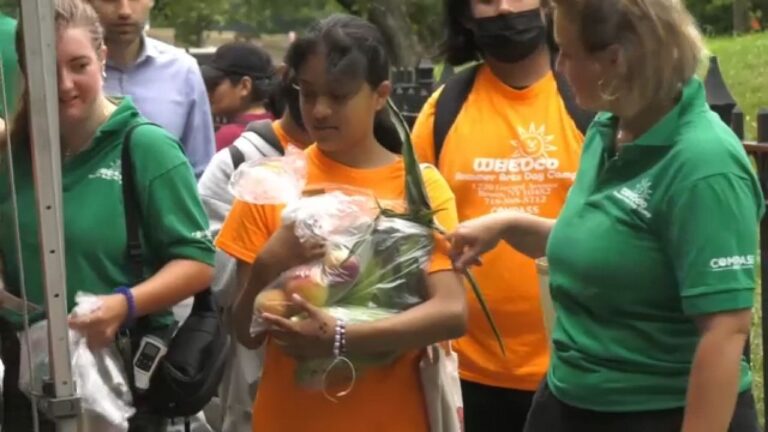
x=151, y=351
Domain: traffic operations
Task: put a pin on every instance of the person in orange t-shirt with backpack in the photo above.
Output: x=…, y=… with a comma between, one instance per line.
x=342, y=72
x=506, y=134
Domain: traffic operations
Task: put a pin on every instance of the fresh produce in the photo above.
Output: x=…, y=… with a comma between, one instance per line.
x=307, y=282
x=273, y=301
x=340, y=266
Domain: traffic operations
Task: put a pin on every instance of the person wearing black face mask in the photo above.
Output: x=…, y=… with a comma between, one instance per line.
x=507, y=137
x=510, y=37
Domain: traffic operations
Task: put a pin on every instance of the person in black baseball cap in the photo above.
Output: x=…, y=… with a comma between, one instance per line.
x=240, y=79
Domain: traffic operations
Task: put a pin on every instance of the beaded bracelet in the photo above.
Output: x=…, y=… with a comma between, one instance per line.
x=340, y=338
x=343, y=345
x=339, y=350
x=130, y=317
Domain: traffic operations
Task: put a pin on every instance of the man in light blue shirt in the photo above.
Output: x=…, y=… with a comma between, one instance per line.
x=164, y=82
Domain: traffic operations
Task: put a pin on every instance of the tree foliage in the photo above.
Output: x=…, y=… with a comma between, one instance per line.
x=410, y=26
x=714, y=16
x=414, y=23
x=190, y=18
x=278, y=16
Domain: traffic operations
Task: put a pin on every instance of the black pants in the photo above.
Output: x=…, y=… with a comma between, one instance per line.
x=492, y=409
x=17, y=408
x=550, y=414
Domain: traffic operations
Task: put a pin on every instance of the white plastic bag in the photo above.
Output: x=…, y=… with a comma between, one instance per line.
x=99, y=376
x=35, y=341
x=337, y=216
x=271, y=180
x=439, y=369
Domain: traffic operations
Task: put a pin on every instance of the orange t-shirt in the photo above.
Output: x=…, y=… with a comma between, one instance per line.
x=383, y=399
x=283, y=137
x=507, y=150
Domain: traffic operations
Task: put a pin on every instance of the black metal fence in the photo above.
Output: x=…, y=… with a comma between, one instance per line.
x=411, y=88
x=759, y=152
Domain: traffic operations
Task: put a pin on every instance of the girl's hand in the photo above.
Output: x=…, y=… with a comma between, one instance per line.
x=285, y=250
x=311, y=337
x=100, y=326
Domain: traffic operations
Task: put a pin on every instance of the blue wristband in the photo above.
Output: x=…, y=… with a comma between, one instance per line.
x=130, y=319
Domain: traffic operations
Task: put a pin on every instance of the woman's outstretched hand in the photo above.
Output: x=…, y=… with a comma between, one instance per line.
x=475, y=237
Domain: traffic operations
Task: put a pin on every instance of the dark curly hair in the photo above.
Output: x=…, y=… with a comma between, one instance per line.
x=355, y=50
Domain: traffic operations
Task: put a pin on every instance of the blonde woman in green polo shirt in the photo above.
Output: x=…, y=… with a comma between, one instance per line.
x=179, y=255
x=652, y=261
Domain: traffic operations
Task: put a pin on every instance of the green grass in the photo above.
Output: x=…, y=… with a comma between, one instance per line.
x=744, y=65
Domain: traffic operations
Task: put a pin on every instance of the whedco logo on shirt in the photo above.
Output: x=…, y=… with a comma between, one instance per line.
x=530, y=157
x=735, y=262
x=516, y=165
x=638, y=197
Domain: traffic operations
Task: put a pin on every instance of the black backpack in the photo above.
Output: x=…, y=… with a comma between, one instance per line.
x=262, y=128
x=457, y=89
x=188, y=376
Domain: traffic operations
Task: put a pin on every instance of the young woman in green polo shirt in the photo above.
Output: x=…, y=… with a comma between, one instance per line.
x=174, y=227
x=652, y=262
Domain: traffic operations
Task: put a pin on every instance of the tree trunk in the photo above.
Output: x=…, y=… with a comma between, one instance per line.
x=740, y=16
x=392, y=19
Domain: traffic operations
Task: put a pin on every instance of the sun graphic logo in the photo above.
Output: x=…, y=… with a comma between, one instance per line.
x=637, y=197
x=533, y=143
x=531, y=156
x=643, y=189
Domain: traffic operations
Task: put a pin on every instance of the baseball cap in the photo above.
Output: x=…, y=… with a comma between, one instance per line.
x=235, y=59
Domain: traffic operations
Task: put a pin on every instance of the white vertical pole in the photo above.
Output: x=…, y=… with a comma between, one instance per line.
x=41, y=74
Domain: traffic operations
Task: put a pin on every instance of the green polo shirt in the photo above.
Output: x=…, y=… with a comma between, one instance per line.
x=174, y=225
x=665, y=231
x=10, y=63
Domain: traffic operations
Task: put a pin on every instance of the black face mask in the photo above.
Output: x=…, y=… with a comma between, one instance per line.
x=512, y=37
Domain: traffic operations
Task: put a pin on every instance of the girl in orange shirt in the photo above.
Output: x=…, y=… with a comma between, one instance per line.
x=342, y=73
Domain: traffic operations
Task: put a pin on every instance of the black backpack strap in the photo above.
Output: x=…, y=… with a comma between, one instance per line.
x=448, y=72
x=449, y=103
x=131, y=206
x=264, y=129
x=125, y=341
x=236, y=155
